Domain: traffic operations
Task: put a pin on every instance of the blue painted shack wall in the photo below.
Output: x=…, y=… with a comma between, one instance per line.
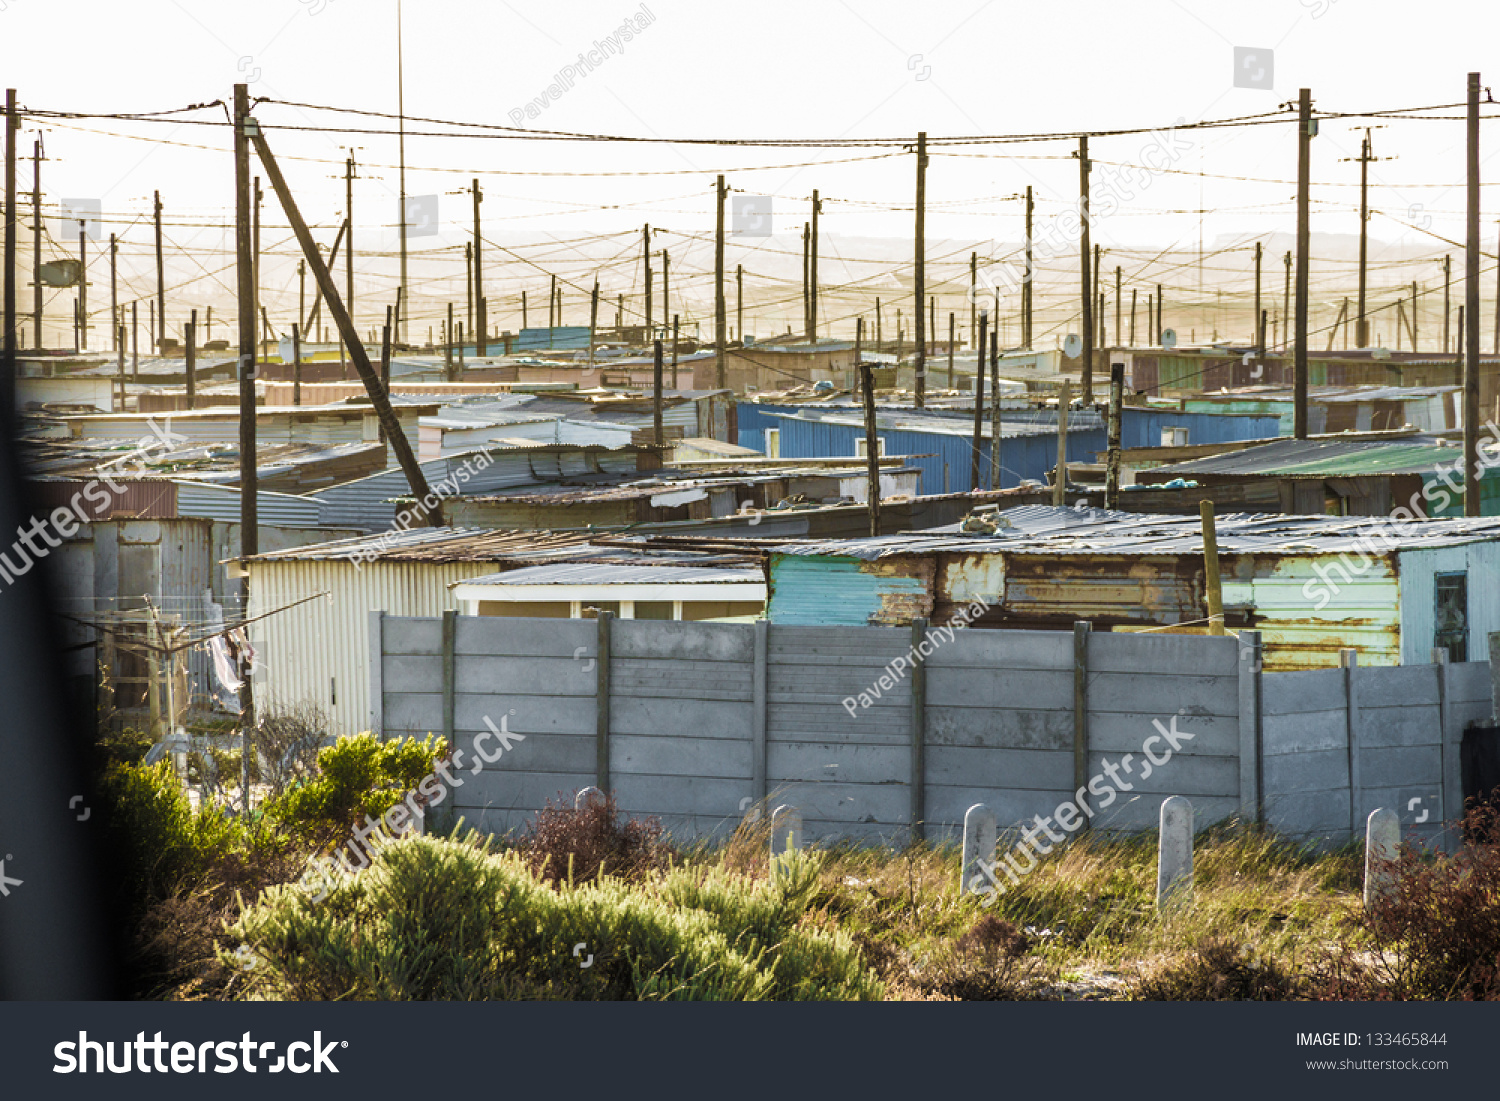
x=1020, y=457
x=828, y=591
x=1142, y=427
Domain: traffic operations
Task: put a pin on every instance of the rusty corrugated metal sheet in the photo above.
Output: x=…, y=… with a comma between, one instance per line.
x=137, y=499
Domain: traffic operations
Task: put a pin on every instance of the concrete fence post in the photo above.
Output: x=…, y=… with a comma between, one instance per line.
x=1174, y=853
x=601, y=703
x=1494, y=643
x=1349, y=662
x=979, y=848
x=786, y=830
x=1382, y=844
x=587, y=797
x=918, y=727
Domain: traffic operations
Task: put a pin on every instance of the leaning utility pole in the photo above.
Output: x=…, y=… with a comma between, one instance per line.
x=480, y=321
x=1472, y=470
x=1084, y=274
x=721, y=192
x=245, y=128
x=161, y=283
x=812, y=275
x=378, y=397
x=1305, y=131
x=920, y=273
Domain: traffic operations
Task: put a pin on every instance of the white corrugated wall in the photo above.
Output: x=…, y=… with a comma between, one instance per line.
x=319, y=652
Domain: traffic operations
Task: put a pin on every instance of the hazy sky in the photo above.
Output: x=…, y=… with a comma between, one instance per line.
x=807, y=70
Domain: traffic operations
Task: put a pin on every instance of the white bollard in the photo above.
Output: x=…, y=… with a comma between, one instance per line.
x=786, y=830
x=1174, y=853
x=1382, y=845
x=587, y=796
x=977, y=873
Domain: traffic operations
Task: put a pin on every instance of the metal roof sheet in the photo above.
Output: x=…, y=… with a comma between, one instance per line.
x=1310, y=458
x=594, y=573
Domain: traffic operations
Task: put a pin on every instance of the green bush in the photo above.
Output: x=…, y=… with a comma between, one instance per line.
x=444, y=919
x=162, y=846
x=357, y=777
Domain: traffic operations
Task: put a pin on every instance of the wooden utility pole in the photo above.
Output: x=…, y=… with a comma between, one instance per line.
x=114, y=295
x=951, y=320
x=160, y=327
x=481, y=322
x=296, y=363
x=255, y=199
x=1160, y=325
x=1112, y=465
x=469, y=291
x=995, y=404
x=353, y=337
x=984, y=318
x=1258, y=338
x=1060, y=482
x=1472, y=470
x=657, y=433
x=1447, y=302
x=1361, y=323
x=674, y=350
x=666, y=282
x=812, y=273
x=1286, y=304
x=646, y=257
x=1119, y=305
x=973, y=302
x=1414, y=315
x=920, y=272
x=806, y=294
x=739, y=301
x=872, y=448
x=333, y=254
x=135, y=344
x=1087, y=280
x=83, y=285
x=36, y=238
x=245, y=129
x=448, y=335
x=721, y=321
x=1132, y=316
x=859, y=341
x=378, y=398
x=1304, y=180
x=8, y=368
x=190, y=359
x=1027, y=288
x=1213, y=590
x=593, y=320
x=879, y=333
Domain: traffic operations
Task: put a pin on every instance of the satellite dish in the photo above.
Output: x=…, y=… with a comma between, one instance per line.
x=1380, y=353
x=1073, y=346
x=1169, y=338
x=60, y=273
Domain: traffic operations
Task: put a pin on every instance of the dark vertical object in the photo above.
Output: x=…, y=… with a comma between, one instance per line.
x=657, y=436
x=739, y=301
x=255, y=198
x=872, y=447
x=973, y=299
x=1119, y=306
x=1286, y=304
x=1447, y=302
x=36, y=238
x=135, y=344
x=1027, y=289
x=1304, y=176
x=601, y=704
x=244, y=129
x=8, y=365
x=1084, y=273
x=951, y=320
x=812, y=270
x=1132, y=316
x=859, y=340
x=666, y=301
x=1472, y=470
x=1361, y=322
x=984, y=319
x=806, y=297
x=1160, y=325
x=448, y=335
x=114, y=291
x=646, y=257
x=1112, y=467
x=879, y=334
x=593, y=320
x=159, y=333
x=1259, y=337
x=1414, y=315
x=385, y=360
x=83, y=284
x=995, y=404
x=481, y=323
x=349, y=256
x=416, y=481
x=674, y=350
x=469, y=291
x=190, y=360
x=1081, y=632
x=920, y=273
x=401, y=290
x=721, y=321
x=296, y=363
x=1099, y=298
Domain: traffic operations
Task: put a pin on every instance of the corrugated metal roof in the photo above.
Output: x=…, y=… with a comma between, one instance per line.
x=1046, y=529
x=948, y=426
x=1412, y=455
x=593, y=573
